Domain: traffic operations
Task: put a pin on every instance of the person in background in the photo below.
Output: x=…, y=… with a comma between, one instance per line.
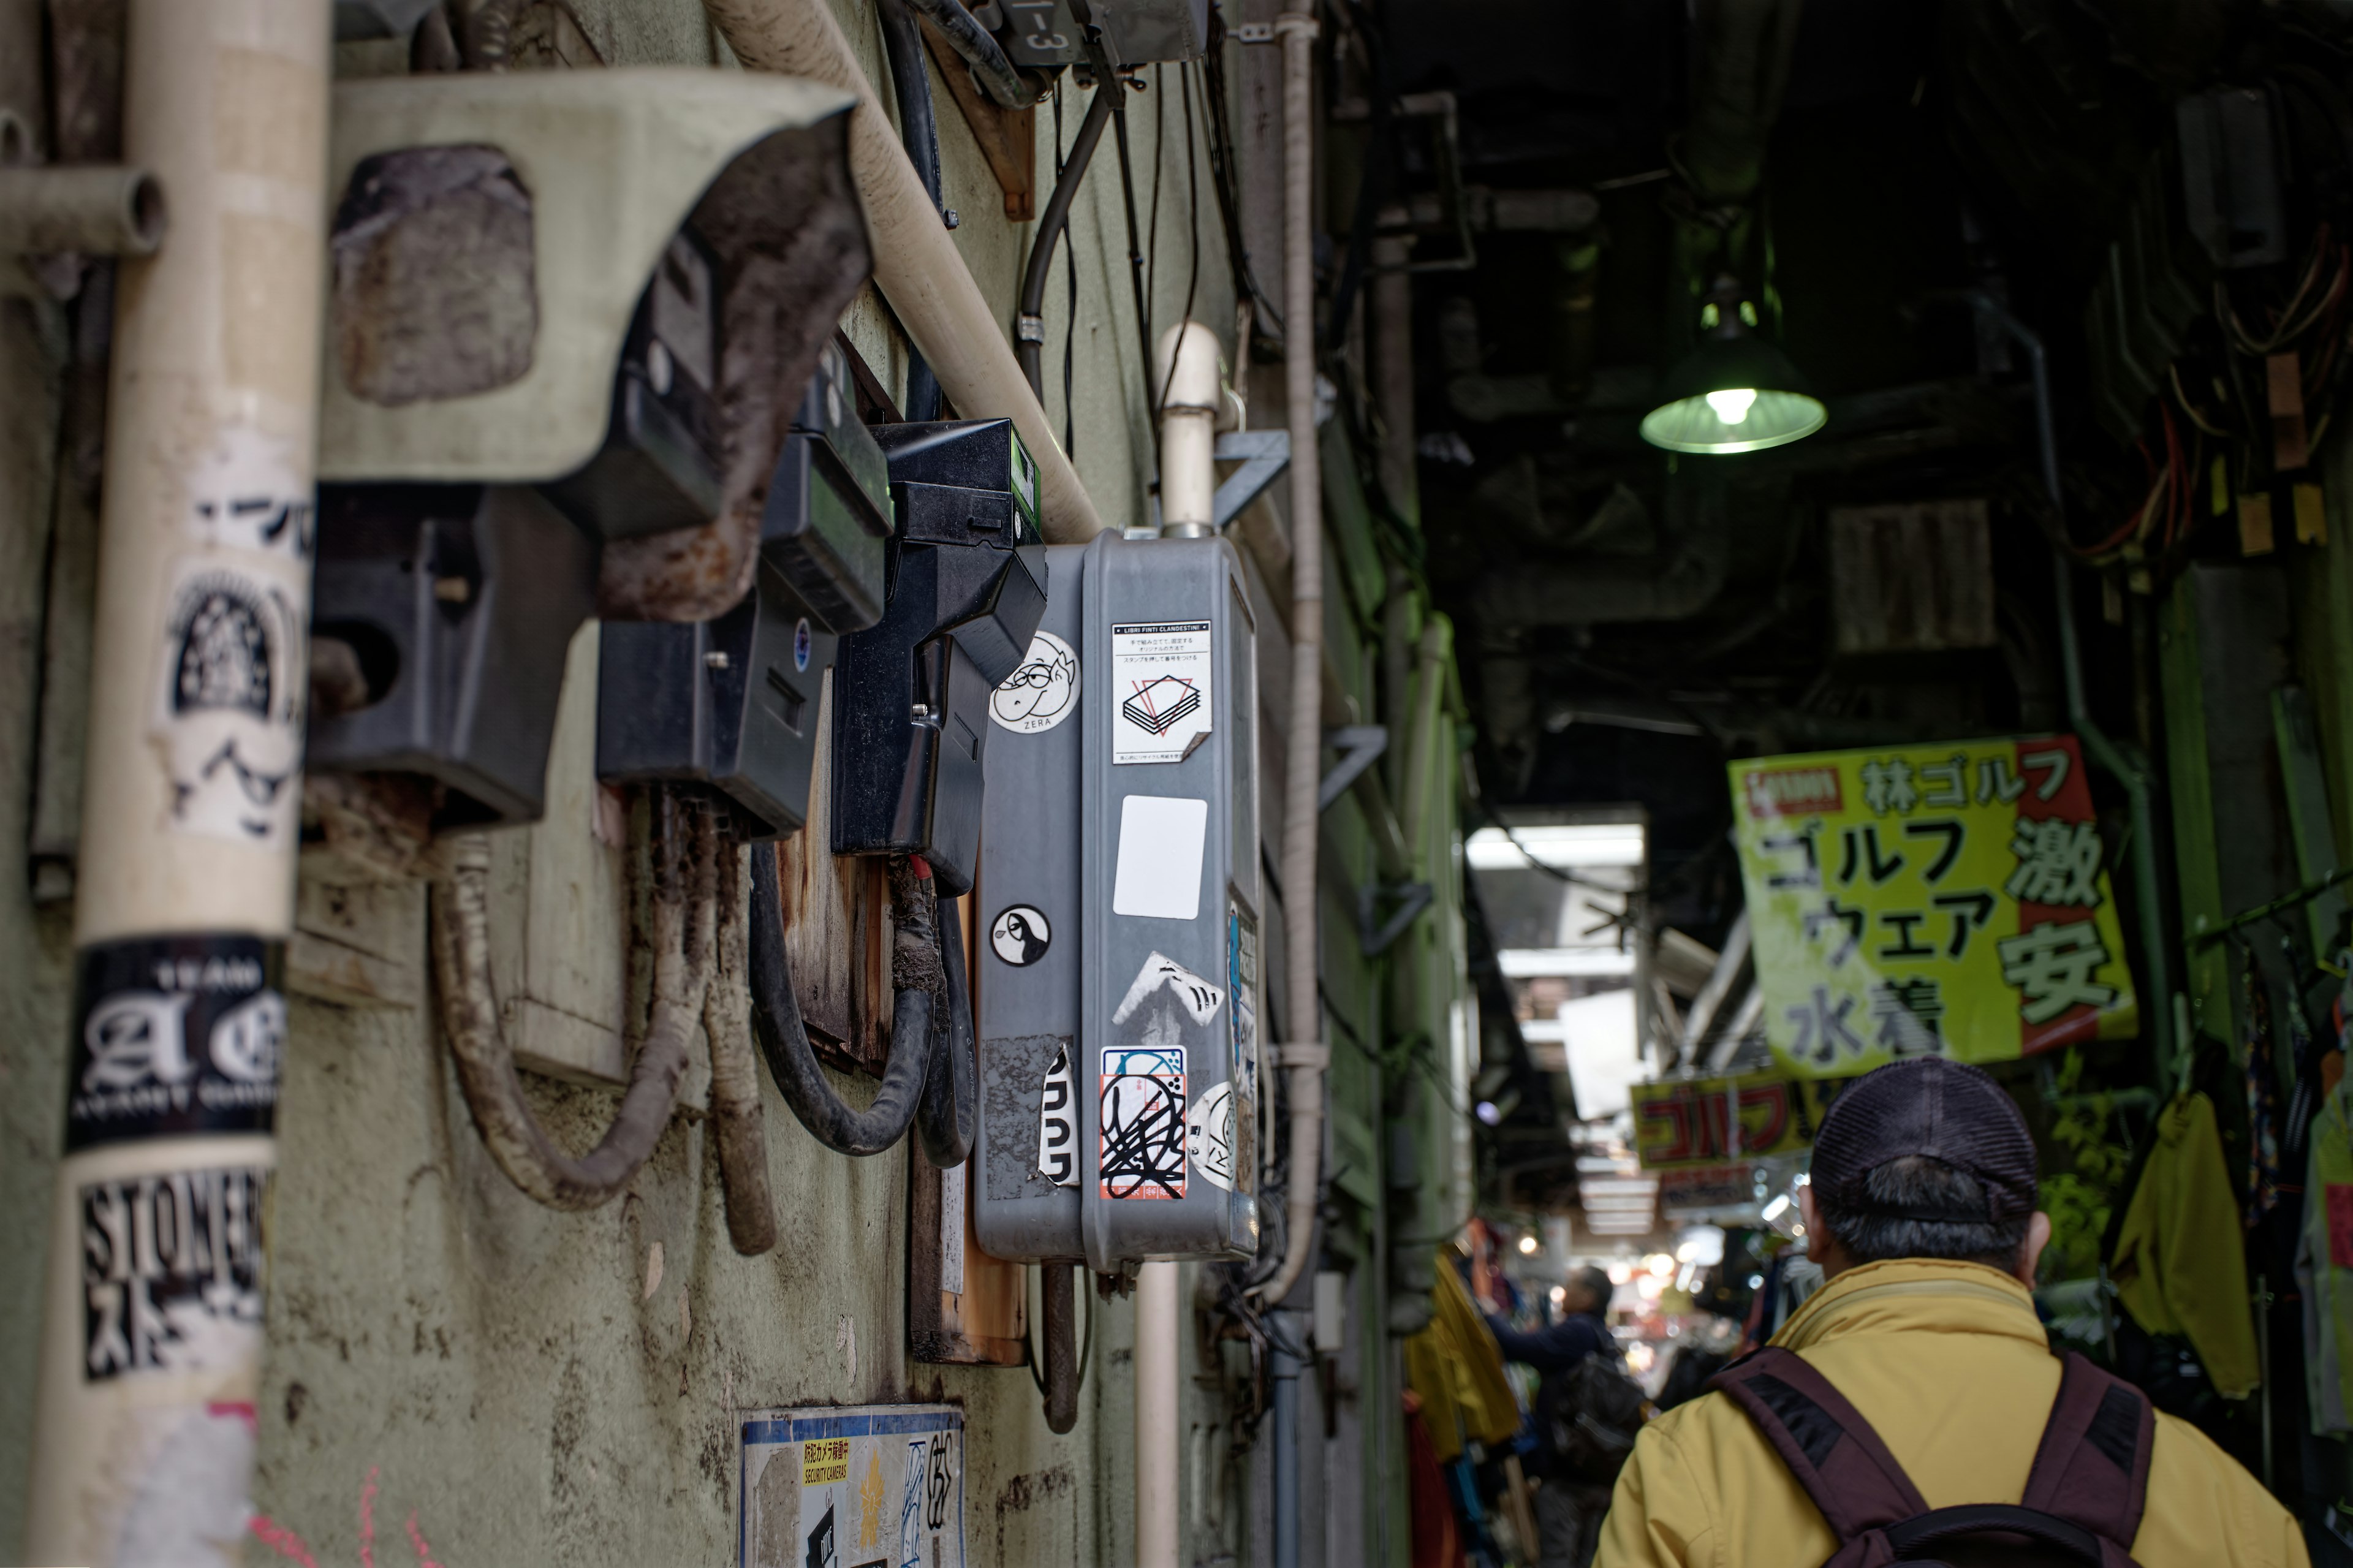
x=1919, y=1378
x=1569, y=1504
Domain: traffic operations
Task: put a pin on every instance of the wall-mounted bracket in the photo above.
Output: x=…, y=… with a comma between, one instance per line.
x=1359, y=745
x=1262, y=453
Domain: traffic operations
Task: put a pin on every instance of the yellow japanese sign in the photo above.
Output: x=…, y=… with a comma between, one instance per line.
x=1947, y=899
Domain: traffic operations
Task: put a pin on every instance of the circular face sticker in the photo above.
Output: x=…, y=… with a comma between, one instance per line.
x=801, y=644
x=1043, y=692
x=1020, y=935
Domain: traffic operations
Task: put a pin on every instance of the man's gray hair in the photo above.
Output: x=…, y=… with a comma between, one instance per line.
x=1902, y=1216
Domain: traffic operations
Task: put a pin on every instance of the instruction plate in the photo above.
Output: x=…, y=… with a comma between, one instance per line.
x=862, y=1485
x=1160, y=684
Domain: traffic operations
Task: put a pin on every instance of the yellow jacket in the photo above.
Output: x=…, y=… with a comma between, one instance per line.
x=2180, y=1264
x=1950, y=1365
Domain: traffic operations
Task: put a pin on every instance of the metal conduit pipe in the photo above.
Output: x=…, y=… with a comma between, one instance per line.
x=784, y=1039
x=916, y=263
x=1305, y=1055
x=1030, y=331
x=1159, y=1326
x=683, y=854
x=100, y=209
x=192, y=784
x=2120, y=759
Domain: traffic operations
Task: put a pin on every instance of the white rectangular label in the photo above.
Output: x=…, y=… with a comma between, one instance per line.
x=1161, y=841
x=1159, y=690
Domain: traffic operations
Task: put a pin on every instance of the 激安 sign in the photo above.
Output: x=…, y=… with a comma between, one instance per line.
x=1945, y=900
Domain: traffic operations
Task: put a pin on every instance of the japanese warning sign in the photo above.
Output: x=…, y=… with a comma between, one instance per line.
x=1160, y=684
x=870, y=1486
x=1947, y=899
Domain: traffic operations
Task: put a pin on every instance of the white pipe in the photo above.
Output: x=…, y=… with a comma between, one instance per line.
x=1188, y=371
x=144, y=1421
x=916, y=263
x=1157, y=1335
x=1306, y=1054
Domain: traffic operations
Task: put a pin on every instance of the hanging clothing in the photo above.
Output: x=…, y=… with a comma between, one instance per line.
x=2180, y=1264
x=2324, y=1265
x=1455, y=1368
x=2262, y=1094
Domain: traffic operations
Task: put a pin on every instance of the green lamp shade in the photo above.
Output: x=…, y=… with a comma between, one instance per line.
x=1733, y=394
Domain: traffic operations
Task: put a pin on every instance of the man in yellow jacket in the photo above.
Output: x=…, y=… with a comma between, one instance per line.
x=1921, y=1213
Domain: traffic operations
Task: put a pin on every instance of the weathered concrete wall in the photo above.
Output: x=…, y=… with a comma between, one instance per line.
x=533, y=1387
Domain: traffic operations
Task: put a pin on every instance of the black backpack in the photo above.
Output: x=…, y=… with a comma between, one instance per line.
x=2083, y=1497
x=1590, y=1415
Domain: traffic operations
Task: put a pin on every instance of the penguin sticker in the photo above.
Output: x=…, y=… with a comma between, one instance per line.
x=1020, y=935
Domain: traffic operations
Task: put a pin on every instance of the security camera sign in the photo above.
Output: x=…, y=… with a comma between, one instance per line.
x=1160, y=674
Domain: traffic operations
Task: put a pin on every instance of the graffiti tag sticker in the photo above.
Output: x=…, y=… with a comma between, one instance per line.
x=1141, y=1152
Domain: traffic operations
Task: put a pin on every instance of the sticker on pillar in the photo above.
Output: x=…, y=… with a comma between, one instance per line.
x=1021, y=934
x=1209, y=1136
x=1160, y=680
x=229, y=703
x=171, y=1272
x=1058, y=1124
x=1142, y=1117
x=1161, y=972
x=176, y=1035
x=1041, y=694
x=248, y=494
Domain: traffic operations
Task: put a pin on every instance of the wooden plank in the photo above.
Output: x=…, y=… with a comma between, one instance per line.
x=1008, y=137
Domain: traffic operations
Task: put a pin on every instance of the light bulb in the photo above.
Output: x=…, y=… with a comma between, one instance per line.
x=1731, y=405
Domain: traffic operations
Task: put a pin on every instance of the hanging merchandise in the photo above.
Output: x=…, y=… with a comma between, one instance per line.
x=2263, y=1096
x=2179, y=1265
x=1945, y=899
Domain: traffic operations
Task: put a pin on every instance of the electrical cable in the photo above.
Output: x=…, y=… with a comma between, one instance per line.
x=1052, y=225
x=997, y=76
x=784, y=1039
x=738, y=1121
x=919, y=132
x=683, y=917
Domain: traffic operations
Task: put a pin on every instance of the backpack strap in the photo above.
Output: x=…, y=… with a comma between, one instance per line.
x=2092, y=1466
x=1828, y=1446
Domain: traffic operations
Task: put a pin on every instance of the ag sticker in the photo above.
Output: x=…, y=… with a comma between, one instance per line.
x=1209, y=1135
x=1160, y=683
x=1020, y=935
x=1041, y=694
x=1142, y=1153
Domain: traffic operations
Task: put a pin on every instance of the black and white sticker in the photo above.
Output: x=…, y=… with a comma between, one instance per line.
x=1209, y=1135
x=171, y=1272
x=1058, y=1124
x=1161, y=972
x=1160, y=675
x=176, y=1034
x=1142, y=1121
x=1041, y=694
x=1021, y=934
x=228, y=701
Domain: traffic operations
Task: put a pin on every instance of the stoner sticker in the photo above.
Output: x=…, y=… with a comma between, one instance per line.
x=1142, y=1108
x=1160, y=674
x=1041, y=694
x=171, y=1272
x=178, y=1034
